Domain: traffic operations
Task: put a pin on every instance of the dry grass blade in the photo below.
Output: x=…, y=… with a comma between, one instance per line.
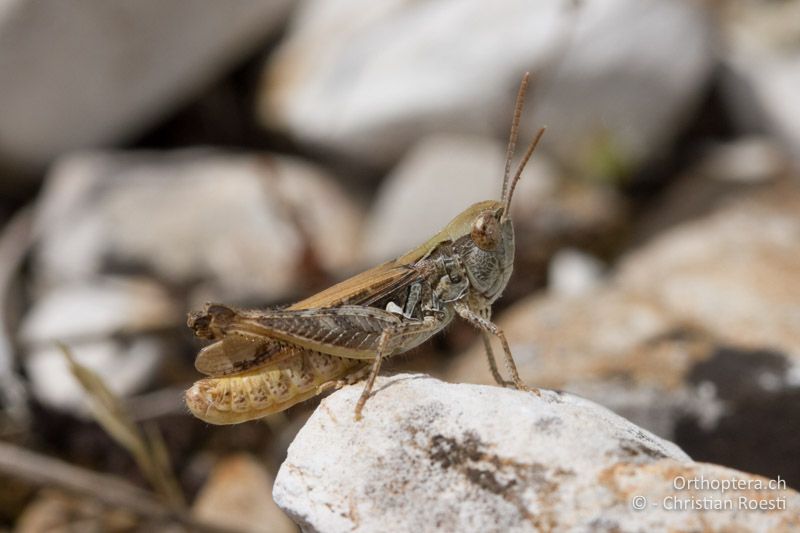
x=148, y=452
x=16, y=238
x=51, y=472
x=163, y=465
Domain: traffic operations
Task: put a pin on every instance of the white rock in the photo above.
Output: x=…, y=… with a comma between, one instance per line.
x=82, y=74
x=559, y=340
x=111, y=324
x=609, y=101
x=99, y=308
x=573, y=272
x=125, y=368
x=244, y=226
x=431, y=456
x=368, y=80
x=747, y=160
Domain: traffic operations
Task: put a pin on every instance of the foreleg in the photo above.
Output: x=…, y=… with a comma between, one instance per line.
x=487, y=326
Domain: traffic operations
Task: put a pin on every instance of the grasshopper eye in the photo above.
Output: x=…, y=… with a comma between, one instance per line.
x=486, y=231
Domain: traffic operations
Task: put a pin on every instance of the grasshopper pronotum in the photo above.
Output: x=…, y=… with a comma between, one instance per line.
x=264, y=361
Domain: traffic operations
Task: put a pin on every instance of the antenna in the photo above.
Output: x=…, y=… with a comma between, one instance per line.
x=512, y=139
x=509, y=182
x=518, y=173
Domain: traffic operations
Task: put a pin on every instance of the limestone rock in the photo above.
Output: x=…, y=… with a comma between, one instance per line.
x=431, y=456
x=619, y=349
x=573, y=272
x=733, y=273
x=602, y=119
x=125, y=367
x=440, y=177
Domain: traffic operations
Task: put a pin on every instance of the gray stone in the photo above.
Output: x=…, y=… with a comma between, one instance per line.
x=573, y=272
x=732, y=273
x=440, y=177
x=612, y=103
x=99, y=308
x=432, y=456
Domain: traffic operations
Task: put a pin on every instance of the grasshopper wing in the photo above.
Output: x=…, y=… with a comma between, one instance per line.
x=362, y=289
x=241, y=350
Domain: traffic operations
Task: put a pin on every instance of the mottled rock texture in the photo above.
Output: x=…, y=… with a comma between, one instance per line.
x=432, y=456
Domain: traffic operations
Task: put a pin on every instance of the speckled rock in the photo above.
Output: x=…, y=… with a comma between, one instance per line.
x=431, y=456
x=617, y=348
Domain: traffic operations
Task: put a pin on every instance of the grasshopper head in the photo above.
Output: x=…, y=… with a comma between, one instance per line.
x=487, y=249
x=488, y=254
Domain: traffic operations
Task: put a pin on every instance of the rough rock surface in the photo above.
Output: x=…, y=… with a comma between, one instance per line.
x=431, y=456
x=370, y=80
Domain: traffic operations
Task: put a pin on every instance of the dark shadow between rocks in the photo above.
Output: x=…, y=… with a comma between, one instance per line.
x=760, y=429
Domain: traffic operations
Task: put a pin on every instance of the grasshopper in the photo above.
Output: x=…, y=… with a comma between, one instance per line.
x=264, y=361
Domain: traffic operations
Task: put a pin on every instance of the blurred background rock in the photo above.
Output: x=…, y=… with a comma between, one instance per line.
x=157, y=155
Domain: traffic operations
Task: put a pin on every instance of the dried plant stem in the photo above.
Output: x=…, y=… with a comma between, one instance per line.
x=49, y=472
